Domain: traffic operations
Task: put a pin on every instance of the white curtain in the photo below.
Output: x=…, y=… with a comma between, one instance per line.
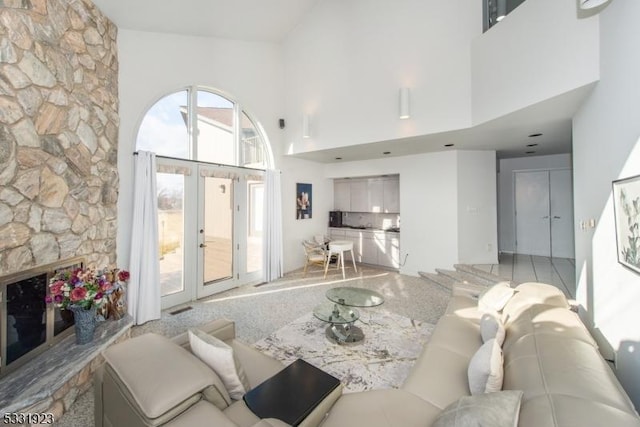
x=144, y=265
x=272, y=244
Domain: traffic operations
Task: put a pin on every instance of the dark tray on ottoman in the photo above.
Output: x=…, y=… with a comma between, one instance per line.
x=292, y=393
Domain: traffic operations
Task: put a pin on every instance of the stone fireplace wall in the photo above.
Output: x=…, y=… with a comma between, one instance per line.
x=58, y=133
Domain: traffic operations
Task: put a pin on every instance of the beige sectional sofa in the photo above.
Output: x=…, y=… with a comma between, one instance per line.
x=548, y=354
x=150, y=380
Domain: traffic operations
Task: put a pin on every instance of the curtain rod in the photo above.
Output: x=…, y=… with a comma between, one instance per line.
x=135, y=153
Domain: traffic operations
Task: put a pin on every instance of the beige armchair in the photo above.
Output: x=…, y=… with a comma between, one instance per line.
x=315, y=255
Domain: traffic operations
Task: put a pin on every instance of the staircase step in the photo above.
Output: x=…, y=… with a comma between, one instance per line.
x=444, y=282
x=487, y=278
x=460, y=276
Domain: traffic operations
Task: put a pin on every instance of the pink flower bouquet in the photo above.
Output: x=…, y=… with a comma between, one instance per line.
x=83, y=287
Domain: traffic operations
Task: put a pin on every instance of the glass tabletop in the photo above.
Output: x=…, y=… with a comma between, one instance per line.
x=335, y=313
x=355, y=297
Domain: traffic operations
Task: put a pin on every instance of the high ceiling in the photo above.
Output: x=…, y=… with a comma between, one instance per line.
x=249, y=20
x=271, y=21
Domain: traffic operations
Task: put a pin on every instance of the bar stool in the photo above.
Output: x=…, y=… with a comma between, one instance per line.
x=339, y=247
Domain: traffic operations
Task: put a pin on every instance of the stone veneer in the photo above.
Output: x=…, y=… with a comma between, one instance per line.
x=58, y=133
x=58, y=149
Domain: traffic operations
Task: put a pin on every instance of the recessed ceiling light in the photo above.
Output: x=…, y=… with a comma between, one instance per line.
x=448, y=145
x=533, y=135
x=529, y=152
x=338, y=158
x=386, y=152
x=531, y=145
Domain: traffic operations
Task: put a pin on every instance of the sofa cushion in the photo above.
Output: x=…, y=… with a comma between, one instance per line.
x=491, y=327
x=500, y=409
x=546, y=319
x=146, y=364
x=439, y=375
x=381, y=408
x=529, y=294
x=485, y=369
x=257, y=366
x=553, y=410
x=220, y=357
x=494, y=298
x=556, y=365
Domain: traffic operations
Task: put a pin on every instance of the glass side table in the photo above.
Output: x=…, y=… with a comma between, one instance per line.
x=340, y=319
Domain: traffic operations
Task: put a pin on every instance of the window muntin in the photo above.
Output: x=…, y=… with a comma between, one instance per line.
x=216, y=137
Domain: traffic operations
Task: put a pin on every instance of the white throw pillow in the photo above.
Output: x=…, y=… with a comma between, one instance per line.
x=486, y=369
x=491, y=327
x=495, y=298
x=501, y=409
x=219, y=356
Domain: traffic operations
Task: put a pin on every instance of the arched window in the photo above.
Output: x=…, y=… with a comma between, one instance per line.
x=210, y=212
x=203, y=125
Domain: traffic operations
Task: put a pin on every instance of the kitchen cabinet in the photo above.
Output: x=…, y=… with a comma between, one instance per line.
x=391, y=195
x=375, y=195
x=342, y=196
x=359, y=196
x=369, y=249
x=375, y=247
x=389, y=254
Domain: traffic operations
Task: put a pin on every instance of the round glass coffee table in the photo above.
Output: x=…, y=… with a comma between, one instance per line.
x=340, y=315
x=354, y=297
x=340, y=320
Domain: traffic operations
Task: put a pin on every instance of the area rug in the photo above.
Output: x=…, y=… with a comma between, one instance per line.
x=383, y=360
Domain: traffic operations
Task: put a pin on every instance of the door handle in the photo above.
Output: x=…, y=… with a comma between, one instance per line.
x=556, y=217
x=545, y=217
x=202, y=245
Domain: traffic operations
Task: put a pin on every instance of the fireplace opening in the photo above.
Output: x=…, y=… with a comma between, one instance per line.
x=28, y=326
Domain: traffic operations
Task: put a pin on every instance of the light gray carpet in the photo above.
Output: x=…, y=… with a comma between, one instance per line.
x=262, y=310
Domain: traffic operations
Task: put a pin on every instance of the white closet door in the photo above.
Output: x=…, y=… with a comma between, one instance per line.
x=561, y=194
x=533, y=235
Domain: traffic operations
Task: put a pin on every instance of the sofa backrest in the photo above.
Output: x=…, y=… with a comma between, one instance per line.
x=550, y=356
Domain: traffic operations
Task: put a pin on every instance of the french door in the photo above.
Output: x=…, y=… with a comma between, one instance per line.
x=210, y=229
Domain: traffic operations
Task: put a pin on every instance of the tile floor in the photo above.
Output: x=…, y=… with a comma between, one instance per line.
x=560, y=272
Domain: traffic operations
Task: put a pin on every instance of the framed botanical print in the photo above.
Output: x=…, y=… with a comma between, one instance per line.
x=626, y=203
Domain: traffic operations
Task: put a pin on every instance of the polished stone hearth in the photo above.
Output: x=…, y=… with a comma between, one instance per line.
x=383, y=360
x=52, y=381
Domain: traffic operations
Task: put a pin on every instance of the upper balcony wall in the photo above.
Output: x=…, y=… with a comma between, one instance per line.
x=540, y=50
x=347, y=60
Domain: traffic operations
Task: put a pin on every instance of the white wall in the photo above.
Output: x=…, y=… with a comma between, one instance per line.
x=153, y=65
x=346, y=62
x=540, y=50
x=506, y=227
x=297, y=230
x=606, y=147
x=477, y=208
x=429, y=187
